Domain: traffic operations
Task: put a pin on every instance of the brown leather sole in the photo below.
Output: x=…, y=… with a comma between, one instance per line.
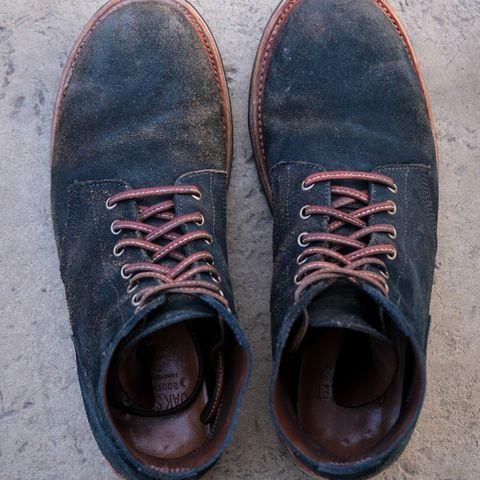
x=204, y=35
x=260, y=73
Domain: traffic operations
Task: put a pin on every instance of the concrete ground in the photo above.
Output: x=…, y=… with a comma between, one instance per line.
x=44, y=432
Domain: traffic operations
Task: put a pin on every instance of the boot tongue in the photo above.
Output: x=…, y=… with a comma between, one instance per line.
x=178, y=306
x=347, y=307
x=367, y=359
x=135, y=385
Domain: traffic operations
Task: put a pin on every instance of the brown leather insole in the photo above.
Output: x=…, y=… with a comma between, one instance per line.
x=169, y=377
x=346, y=404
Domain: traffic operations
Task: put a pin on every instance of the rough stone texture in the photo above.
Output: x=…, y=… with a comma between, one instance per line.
x=43, y=428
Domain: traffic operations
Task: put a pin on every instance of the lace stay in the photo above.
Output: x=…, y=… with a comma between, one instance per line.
x=345, y=255
x=159, y=227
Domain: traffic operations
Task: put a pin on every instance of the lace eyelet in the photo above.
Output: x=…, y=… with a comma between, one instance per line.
x=108, y=206
x=300, y=261
x=392, y=256
x=300, y=242
x=136, y=301
x=393, y=235
x=216, y=277
x=305, y=188
x=393, y=189
x=132, y=287
x=118, y=252
x=200, y=222
x=124, y=275
x=114, y=230
x=197, y=196
x=220, y=292
x=302, y=212
x=385, y=274
x=296, y=279
x=393, y=210
x=209, y=241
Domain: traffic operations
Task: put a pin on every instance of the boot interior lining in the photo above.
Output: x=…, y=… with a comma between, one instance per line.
x=172, y=441
x=162, y=372
x=349, y=390
x=330, y=449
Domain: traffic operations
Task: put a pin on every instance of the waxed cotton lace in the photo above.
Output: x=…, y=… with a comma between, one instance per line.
x=162, y=239
x=332, y=255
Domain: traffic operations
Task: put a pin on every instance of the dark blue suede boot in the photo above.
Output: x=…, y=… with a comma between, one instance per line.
x=141, y=156
x=344, y=143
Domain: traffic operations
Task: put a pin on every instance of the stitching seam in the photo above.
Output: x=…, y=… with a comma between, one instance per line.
x=266, y=56
x=406, y=231
x=102, y=258
x=394, y=22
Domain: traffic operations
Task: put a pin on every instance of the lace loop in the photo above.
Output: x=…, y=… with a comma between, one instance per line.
x=163, y=240
x=341, y=251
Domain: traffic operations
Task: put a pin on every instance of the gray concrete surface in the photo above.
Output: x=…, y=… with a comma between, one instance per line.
x=44, y=433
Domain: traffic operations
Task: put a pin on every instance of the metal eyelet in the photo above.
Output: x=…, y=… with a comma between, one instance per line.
x=385, y=274
x=108, y=206
x=300, y=261
x=296, y=279
x=393, y=189
x=392, y=256
x=124, y=275
x=216, y=277
x=305, y=188
x=393, y=235
x=220, y=292
x=302, y=212
x=393, y=210
x=300, y=242
x=132, y=287
x=200, y=222
x=114, y=230
x=118, y=252
x=136, y=301
x=209, y=241
x=197, y=197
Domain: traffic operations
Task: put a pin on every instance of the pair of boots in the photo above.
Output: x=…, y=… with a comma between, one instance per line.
x=141, y=156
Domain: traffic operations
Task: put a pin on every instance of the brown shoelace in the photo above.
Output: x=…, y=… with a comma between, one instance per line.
x=345, y=255
x=162, y=240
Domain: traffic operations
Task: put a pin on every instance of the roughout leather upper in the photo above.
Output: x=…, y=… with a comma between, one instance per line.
x=142, y=108
x=341, y=93
x=341, y=90
x=142, y=95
